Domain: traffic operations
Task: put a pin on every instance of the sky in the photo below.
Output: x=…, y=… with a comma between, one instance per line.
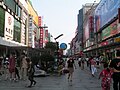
x=60, y=16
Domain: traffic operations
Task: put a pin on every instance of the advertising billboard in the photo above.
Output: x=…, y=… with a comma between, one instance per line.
x=9, y=26
x=105, y=12
x=86, y=31
x=39, y=21
x=111, y=30
x=41, y=38
x=91, y=28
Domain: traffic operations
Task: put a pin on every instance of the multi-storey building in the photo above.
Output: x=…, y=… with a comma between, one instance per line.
x=33, y=26
x=10, y=25
x=101, y=28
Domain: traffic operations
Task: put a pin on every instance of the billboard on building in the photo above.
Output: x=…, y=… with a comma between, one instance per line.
x=91, y=28
x=111, y=30
x=9, y=24
x=105, y=12
x=86, y=31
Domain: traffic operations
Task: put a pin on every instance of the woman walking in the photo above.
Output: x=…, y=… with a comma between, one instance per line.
x=71, y=66
x=106, y=74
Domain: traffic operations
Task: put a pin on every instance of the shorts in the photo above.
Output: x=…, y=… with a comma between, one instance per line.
x=71, y=70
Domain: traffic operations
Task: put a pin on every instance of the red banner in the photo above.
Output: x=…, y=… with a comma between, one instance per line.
x=39, y=21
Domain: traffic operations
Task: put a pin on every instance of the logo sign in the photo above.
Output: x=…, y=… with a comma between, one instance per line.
x=9, y=20
x=9, y=26
x=63, y=46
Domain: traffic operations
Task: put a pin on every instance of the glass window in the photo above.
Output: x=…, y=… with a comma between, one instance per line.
x=2, y=21
x=18, y=10
x=10, y=4
x=17, y=31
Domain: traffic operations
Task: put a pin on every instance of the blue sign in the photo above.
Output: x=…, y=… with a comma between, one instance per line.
x=63, y=46
x=105, y=12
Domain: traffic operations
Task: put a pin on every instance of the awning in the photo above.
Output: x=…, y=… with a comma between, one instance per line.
x=5, y=42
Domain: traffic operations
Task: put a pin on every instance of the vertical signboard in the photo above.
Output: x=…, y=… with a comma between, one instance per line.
x=39, y=21
x=46, y=36
x=91, y=28
x=30, y=30
x=9, y=24
x=41, y=38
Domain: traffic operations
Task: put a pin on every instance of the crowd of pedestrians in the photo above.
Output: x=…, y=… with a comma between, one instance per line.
x=110, y=73
x=10, y=70
x=109, y=69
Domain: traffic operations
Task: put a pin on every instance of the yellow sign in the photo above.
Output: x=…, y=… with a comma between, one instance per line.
x=117, y=39
x=33, y=13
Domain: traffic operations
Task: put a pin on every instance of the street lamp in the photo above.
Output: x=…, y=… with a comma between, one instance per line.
x=58, y=36
x=57, y=44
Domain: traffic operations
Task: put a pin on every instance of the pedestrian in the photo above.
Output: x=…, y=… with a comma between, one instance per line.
x=82, y=63
x=115, y=65
x=87, y=61
x=1, y=59
x=6, y=68
x=24, y=67
x=31, y=71
x=106, y=75
x=12, y=66
x=17, y=73
x=93, y=66
x=90, y=62
x=71, y=66
x=79, y=61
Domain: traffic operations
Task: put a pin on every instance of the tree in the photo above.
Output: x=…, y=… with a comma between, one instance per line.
x=47, y=61
x=52, y=46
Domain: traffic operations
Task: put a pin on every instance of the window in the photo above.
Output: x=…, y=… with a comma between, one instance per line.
x=18, y=10
x=17, y=31
x=2, y=21
x=10, y=4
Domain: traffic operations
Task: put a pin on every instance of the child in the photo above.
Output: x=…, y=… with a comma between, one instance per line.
x=106, y=75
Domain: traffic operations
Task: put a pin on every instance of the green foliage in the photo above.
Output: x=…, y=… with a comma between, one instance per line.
x=46, y=58
x=51, y=45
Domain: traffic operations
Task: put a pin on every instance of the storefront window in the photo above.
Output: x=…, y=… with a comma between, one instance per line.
x=10, y=4
x=17, y=31
x=18, y=10
x=2, y=21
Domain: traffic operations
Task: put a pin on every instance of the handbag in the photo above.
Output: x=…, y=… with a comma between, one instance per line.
x=65, y=70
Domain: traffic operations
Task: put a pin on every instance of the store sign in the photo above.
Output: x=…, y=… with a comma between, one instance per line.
x=30, y=30
x=110, y=30
x=39, y=21
x=41, y=38
x=103, y=43
x=91, y=28
x=9, y=24
x=116, y=40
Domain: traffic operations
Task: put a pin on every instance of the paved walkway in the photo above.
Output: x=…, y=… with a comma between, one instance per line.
x=82, y=80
